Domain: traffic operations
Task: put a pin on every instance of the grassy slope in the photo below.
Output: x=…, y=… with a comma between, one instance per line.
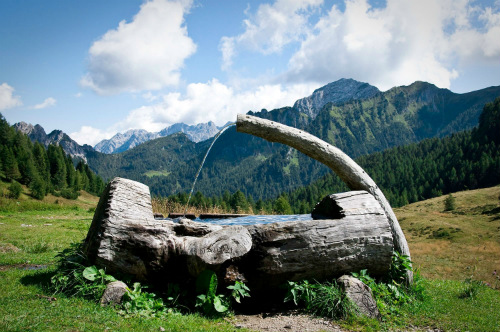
x=455, y=245
x=440, y=259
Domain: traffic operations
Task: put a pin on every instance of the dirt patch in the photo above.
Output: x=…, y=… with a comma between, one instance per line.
x=8, y=247
x=284, y=322
x=23, y=267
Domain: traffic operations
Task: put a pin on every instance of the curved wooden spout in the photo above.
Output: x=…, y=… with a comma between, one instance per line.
x=346, y=168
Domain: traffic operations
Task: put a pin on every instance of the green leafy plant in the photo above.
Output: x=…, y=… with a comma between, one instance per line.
x=301, y=293
x=211, y=303
x=239, y=290
x=74, y=278
x=399, y=267
x=323, y=299
x=471, y=286
x=392, y=292
x=364, y=277
x=136, y=302
x=471, y=289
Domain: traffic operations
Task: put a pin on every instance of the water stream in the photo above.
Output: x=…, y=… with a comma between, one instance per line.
x=203, y=162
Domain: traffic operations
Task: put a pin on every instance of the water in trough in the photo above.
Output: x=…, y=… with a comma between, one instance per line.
x=257, y=219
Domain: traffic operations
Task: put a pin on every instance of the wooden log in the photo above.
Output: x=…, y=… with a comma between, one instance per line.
x=346, y=168
x=221, y=215
x=124, y=237
x=182, y=215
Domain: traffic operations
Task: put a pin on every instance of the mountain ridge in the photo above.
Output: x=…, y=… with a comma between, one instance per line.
x=399, y=116
x=131, y=138
x=56, y=137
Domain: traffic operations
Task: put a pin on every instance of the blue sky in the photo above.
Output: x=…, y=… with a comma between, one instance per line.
x=94, y=68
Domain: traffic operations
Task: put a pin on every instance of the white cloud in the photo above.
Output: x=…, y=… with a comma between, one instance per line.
x=148, y=96
x=46, y=103
x=271, y=28
x=202, y=102
x=405, y=41
x=7, y=98
x=145, y=54
x=89, y=135
x=212, y=101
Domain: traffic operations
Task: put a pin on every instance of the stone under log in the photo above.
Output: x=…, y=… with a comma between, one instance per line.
x=124, y=237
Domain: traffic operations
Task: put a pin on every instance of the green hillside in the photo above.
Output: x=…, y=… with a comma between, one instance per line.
x=406, y=174
x=43, y=170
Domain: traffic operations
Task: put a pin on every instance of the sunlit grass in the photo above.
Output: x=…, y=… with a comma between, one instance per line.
x=30, y=238
x=470, y=241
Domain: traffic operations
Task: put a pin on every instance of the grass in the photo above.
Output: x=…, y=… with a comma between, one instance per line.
x=22, y=308
x=447, y=247
x=150, y=174
x=455, y=244
x=32, y=233
x=166, y=206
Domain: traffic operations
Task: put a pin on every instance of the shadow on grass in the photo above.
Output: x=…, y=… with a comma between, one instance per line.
x=40, y=279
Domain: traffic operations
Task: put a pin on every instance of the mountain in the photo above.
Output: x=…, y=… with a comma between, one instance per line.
x=367, y=121
x=466, y=160
x=195, y=133
x=399, y=116
x=125, y=141
x=57, y=137
x=337, y=92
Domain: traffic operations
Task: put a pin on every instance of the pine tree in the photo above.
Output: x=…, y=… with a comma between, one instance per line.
x=38, y=188
x=10, y=167
x=449, y=203
x=239, y=202
x=282, y=206
x=57, y=166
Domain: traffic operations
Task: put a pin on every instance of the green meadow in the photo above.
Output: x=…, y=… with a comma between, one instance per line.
x=452, y=251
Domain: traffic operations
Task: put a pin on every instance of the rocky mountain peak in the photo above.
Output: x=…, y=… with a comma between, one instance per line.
x=337, y=92
x=25, y=128
x=124, y=141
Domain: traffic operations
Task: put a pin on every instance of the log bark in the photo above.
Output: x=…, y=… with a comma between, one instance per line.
x=124, y=237
x=340, y=163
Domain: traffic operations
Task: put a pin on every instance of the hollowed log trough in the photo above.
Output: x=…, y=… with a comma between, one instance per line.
x=124, y=237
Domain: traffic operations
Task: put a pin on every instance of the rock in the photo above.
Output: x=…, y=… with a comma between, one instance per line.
x=341, y=91
x=360, y=294
x=159, y=216
x=114, y=293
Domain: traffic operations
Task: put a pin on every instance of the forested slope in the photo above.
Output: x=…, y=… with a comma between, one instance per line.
x=43, y=170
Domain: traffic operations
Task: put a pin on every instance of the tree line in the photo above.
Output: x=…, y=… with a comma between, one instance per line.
x=42, y=170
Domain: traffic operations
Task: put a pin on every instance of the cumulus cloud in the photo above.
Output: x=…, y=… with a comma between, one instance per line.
x=212, y=101
x=90, y=135
x=202, y=102
x=7, y=98
x=271, y=28
x=403, y=42
x=144, y=54
x=46, y=103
